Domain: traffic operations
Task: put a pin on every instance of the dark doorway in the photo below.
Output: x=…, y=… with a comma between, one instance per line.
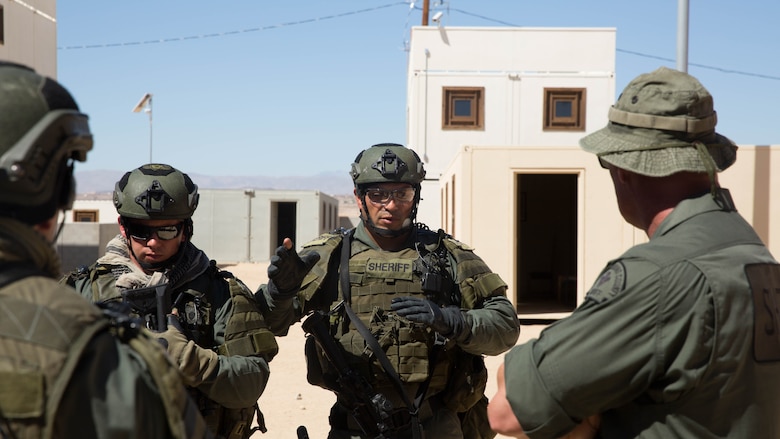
x=547, y=243
x=286, y=221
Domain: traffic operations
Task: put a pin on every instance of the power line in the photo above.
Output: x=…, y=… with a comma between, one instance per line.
x=409, y=4
x=703, y=66
x=235, y=32
x=644, y=55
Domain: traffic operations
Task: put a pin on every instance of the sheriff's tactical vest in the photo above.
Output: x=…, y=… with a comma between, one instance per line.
x=377, y=277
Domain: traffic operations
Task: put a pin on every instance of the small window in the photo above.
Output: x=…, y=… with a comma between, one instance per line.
x=564, y=109
x=85, y=216
x=463, y=108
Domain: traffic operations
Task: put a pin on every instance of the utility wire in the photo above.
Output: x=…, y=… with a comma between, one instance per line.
x=235, y=32
x=644, y=55
x=410, y=5
x=719, y=69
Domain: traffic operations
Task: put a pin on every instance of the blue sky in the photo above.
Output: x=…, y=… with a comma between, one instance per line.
x=254, y=87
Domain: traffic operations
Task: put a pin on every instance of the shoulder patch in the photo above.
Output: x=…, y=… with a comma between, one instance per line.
x=454, y=243
x=609, y=284
x=462, y=245
x=322, y=239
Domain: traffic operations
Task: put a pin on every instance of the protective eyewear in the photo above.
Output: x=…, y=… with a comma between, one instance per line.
x=144, y=233
x=382, y=196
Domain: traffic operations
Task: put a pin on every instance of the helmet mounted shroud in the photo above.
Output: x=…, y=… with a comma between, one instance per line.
x=42, y=132
x=154, y=199
x=388, y=163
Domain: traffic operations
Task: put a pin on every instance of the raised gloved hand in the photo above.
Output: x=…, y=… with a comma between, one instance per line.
x=196, y=364
x=447, y=321
x=287, y=270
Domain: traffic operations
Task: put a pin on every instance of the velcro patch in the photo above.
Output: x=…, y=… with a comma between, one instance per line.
x=390, y=268
x=609, y=284
x=764, y=282
x=21, y=395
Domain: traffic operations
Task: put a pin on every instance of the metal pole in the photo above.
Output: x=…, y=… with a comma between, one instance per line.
x=145, y=104
x=425, y=109
x=149, y=109
x=250, y=193
x=682, y=35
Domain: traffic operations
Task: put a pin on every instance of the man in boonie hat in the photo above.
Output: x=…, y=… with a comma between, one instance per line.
x=663, y=123
x=675, y=338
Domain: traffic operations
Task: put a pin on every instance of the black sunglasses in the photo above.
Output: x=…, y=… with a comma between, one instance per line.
x=144, y=233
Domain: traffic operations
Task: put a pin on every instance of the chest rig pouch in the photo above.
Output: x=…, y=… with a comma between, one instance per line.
x=374, y=279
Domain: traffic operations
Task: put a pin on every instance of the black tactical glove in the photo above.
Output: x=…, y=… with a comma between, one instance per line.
x=287, y=270
x=447, y=321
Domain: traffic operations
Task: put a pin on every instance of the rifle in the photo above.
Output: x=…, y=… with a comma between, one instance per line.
x=371, y=410
x=152, y=304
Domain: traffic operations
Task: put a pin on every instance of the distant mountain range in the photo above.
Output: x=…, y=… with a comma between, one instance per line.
x=332, y=183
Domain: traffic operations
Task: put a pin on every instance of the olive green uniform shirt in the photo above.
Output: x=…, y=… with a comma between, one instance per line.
x=663, y=345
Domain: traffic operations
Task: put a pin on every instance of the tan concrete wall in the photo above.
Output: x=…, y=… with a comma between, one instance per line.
x=485, y=206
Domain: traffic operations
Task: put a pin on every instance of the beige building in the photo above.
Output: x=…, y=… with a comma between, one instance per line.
x=28, y=34
x=496, y=114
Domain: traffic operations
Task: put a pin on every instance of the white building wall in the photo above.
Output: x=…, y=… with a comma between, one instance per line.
x=513, y=65
x=106, y=212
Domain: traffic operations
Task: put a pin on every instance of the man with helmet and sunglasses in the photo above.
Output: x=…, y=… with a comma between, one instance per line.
x=214, y=330
x=66, y=368
x=412, y=311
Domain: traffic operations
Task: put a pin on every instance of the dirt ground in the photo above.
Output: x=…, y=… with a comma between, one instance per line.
x=289, y=401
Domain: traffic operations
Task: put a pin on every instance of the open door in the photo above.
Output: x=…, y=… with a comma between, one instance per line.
x=284, y=221
x=547, y=243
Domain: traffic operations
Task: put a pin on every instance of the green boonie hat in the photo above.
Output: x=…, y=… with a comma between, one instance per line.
x=663, y=123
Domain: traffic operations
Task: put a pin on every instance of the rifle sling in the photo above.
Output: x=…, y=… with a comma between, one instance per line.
x=414, y=408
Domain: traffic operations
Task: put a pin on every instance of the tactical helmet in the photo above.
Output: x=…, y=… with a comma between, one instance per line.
x=156, y=191
x=41, y=133
x=387, y=163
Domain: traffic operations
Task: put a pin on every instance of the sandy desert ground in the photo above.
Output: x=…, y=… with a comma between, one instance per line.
x=289, y=401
